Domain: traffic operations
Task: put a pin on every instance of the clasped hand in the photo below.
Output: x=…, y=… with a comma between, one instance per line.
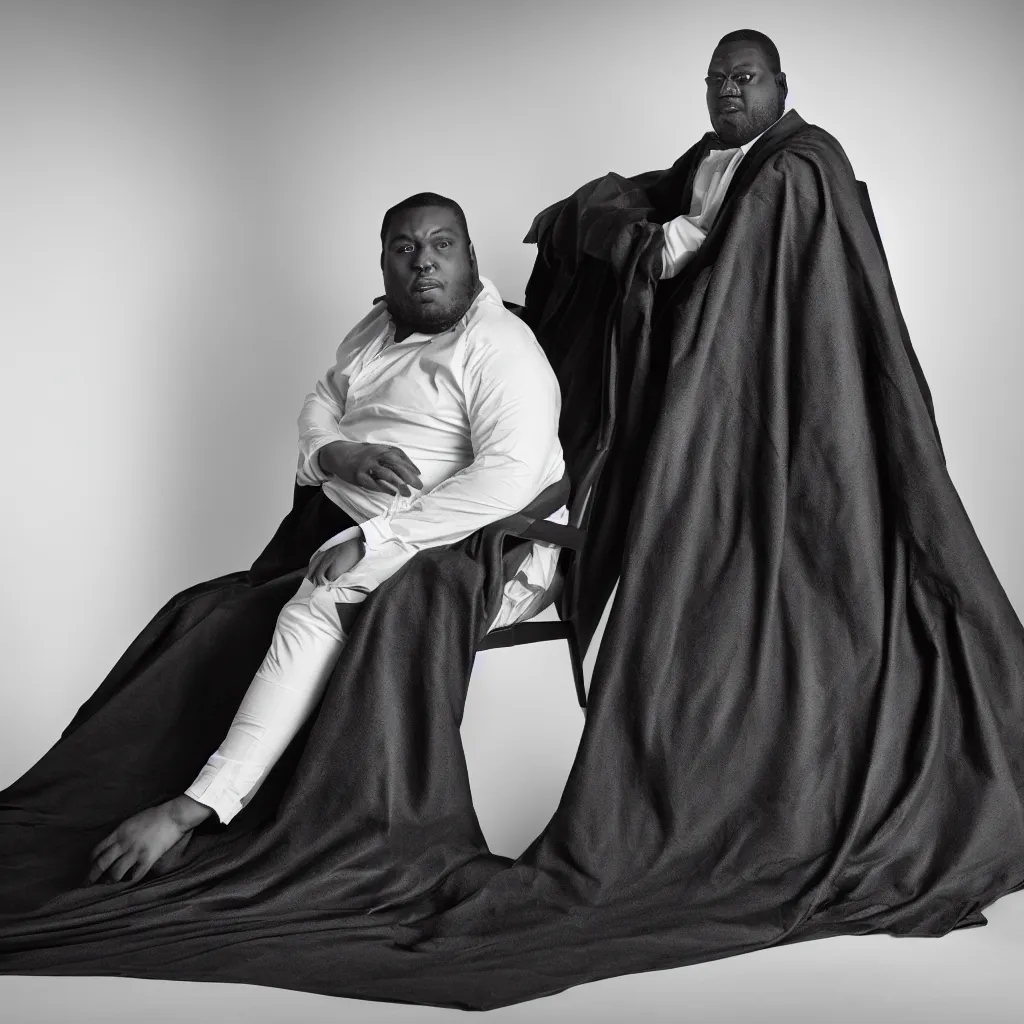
x=375, y=467
x=327, y=565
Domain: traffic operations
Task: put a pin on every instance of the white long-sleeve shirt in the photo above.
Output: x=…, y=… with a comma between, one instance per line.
x=685, y=234
x=476, y=409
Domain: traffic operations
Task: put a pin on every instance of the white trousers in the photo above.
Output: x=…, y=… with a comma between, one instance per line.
x=307, y=641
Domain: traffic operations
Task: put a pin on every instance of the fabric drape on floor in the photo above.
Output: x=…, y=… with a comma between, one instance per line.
x=807, y=712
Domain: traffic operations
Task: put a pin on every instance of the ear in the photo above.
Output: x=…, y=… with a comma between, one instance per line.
x=382, y=261
x=472, y=256
x=780, y=81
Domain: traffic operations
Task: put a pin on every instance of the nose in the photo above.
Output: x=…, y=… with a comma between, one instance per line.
x=423, y=260
x=728, y=88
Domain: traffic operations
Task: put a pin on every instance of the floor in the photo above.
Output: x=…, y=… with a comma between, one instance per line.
x=521, y=729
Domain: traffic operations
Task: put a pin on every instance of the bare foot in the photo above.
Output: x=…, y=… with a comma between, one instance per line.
x=136, y=845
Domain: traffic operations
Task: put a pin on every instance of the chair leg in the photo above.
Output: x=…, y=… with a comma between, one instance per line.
x=577, y=666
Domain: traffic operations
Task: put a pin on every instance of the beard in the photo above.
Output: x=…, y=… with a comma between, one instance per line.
x=759, y=119
x=436, y=317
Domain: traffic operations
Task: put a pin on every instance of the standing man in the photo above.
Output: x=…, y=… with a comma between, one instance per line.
x=622, y=261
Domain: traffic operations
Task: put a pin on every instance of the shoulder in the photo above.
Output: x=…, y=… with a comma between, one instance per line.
x=363, y=333
x=812, y=151
x=494, y=328
x=496, y=340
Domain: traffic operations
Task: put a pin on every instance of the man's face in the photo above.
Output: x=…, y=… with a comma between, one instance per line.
x=430, y=275
x=744, y=97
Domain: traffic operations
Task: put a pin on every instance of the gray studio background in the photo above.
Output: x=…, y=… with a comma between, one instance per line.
x=190, y=199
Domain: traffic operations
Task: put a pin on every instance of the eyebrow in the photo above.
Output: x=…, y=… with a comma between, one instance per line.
x=429, y=234
x=734, y=68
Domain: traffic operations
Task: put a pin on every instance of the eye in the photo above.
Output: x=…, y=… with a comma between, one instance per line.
x=744, y=78
x=443, y=244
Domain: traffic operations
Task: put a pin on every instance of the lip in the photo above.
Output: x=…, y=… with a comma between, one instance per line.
x=427, y=286
x=729, y=108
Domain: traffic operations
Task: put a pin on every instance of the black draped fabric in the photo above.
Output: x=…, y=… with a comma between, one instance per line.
x=807, y=711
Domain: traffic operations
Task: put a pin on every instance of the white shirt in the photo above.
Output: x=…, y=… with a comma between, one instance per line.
x=476, y=409
x=684, y=235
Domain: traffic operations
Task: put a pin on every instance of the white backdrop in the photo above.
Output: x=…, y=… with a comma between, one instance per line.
x=190, y=199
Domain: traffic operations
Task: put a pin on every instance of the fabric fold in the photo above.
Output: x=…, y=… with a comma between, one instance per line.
x=807, y=710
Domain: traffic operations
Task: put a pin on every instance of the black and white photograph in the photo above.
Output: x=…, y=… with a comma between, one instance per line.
x=511, y=507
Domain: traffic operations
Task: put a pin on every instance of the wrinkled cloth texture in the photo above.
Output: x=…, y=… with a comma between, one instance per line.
x=806, y=714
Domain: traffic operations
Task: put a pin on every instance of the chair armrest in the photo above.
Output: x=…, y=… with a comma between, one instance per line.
x=546, y=531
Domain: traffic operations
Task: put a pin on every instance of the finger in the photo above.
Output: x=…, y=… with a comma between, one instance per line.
x=145, y=862
x=101, y=863
x=140, y=870
x=316, y=565
x=404, y=458
x=368, y=481
x=323, y=564
x=341, y=565
x=101, y=846
x=388, y=479
x=397, y=461
x=120, y=867
x=337, y=567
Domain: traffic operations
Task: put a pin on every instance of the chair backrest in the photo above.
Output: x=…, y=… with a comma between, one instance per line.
x=564, y=589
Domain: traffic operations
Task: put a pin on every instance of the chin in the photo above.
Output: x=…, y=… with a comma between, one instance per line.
x=432, y=318
x=432, y=312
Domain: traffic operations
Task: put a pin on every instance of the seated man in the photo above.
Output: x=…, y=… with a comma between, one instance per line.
x=439, y=417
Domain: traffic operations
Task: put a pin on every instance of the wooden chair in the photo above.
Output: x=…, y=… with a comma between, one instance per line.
x=530, y=524
x=570, y=539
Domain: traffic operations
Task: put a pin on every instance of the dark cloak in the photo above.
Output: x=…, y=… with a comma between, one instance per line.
x=807, y=712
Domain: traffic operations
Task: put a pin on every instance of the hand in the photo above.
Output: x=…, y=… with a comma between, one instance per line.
x=327, y=565
x=138, y=843
x=374, y=467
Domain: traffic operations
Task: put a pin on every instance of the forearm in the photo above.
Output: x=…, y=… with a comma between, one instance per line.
x=459, y=507
x=325, y=457
x=490, y=489
x=319, y=427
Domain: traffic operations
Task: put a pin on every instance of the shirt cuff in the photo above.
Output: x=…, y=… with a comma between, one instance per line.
x=349, y=533
x=682, y=239
x=309, y=471
x=211, y=790
x=377, y=531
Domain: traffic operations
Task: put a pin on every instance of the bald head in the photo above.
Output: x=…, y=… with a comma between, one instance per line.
x=746, y=88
